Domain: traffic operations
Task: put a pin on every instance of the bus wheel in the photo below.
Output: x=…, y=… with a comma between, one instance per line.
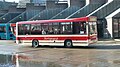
x=35, y=43
x=68, y=43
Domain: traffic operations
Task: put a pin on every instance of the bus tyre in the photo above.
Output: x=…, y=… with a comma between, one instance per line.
x=68, y=43
x=35, y=43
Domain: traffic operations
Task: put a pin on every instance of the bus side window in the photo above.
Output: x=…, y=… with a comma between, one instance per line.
x=56, y=31
x=43, y=32
x=51, y=31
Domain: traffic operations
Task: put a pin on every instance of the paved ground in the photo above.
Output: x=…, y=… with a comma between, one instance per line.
x=105, y=42
x=105, y=53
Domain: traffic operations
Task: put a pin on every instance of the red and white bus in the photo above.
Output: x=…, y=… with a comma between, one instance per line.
x=58, y=32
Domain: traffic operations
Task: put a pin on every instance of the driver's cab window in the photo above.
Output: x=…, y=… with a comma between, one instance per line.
x=92, y=28
x=82, y=28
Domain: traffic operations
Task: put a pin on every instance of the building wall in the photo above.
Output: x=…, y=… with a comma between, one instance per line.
x=20, y=10
x=37, y=1
x=13, y=8
x=22, y=3
x=116, y=25
x=33, y=6
x=79, y=3
x=98, y=1
x=113, y=23
x=3, y=11
x=5, y=5
x=117, y=15
x=55, y=4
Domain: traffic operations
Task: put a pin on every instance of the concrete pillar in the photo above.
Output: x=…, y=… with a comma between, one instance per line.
x=68, y=3
x=87, y=2
x=110, y=26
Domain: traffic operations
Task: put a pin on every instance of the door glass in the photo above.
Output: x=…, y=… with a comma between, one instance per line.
x=92, y=28
x=115, y=25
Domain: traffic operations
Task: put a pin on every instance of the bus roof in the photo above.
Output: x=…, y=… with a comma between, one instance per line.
x=55, y=20
x=3, y=24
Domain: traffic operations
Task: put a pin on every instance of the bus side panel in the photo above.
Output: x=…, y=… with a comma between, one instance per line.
x=5, y=32
x=55, y=40
x=93, y=39
x=57, y=43
x=2, y=35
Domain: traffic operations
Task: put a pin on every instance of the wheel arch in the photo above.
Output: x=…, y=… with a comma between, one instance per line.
x=66, y=43
x=33, y=41
x=67, y=40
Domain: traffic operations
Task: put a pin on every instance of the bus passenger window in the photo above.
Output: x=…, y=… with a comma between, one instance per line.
x=43, y=32
x=56, y=31
x=51, y=31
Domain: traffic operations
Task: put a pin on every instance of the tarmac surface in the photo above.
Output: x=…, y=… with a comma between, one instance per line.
x=106, y=53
